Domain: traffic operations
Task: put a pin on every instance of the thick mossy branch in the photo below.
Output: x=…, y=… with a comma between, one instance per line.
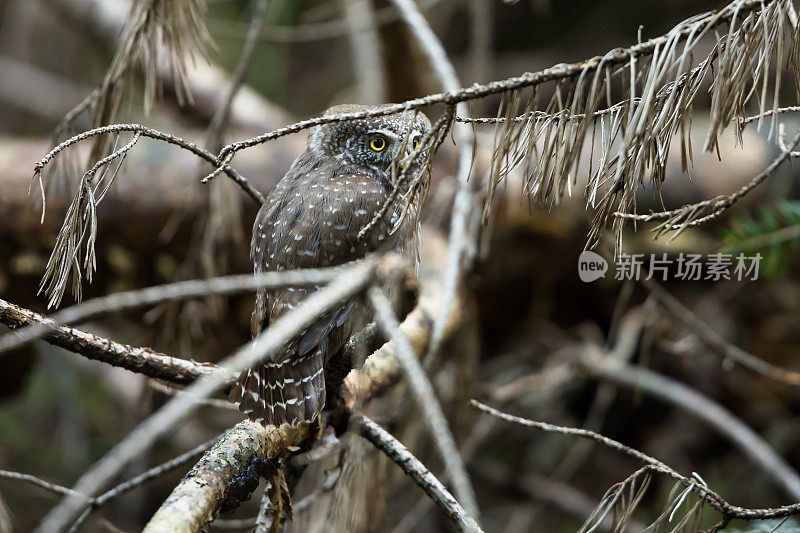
x=194, y=502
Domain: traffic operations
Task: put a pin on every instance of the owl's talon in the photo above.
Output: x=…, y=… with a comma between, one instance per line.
x=280, y=500
x=320, y=427
x=245, y=484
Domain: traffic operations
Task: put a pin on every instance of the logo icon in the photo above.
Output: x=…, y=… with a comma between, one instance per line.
x=591, y=266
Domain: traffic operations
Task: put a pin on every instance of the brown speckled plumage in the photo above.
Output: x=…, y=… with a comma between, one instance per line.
x=312, y=219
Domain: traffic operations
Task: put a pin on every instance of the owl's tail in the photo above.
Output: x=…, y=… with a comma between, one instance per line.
x=274, y=393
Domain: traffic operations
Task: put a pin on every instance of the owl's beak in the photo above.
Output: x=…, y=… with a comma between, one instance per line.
x=403, y=160
x=407, y=157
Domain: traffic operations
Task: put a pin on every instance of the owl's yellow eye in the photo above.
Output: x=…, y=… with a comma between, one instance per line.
x=377, y=143
x=416, y=144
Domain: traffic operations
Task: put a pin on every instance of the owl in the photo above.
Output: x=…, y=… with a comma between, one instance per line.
x=312, y=219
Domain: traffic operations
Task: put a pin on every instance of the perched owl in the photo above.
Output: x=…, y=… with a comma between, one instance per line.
x=312, y=219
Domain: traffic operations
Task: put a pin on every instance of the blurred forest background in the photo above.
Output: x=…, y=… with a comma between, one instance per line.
x=524, y=303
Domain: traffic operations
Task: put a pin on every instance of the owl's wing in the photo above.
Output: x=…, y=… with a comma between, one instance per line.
x=310, y=221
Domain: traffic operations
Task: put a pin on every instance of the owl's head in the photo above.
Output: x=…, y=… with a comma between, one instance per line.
x=372, y=142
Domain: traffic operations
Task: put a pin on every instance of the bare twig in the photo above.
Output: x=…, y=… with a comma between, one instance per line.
x=144, y=131
x=220, y=118
x=702, y=407
x=172, y=390
x=264, y=518
x=142, y=360
x=181, y=290
x=575, y=432
x=41, y=483
x=142, y=478
x=117, y=491
x=365, y=47
x=709, y=496
x=769, y=113
x=460, y=239
x=425, y=398
x=690, y=215
x=222, y=229
x=713, y=339
x=417, y=471
x=560, y=115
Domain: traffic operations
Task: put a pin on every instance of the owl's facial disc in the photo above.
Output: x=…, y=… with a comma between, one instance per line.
x=380, y=147
x=371, y=144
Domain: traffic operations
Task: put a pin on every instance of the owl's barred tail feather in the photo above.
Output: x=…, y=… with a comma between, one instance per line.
x=274, y=393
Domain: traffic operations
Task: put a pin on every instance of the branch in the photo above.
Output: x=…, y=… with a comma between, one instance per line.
x=264, y=519
x=365, y=48
x=460, y=239
x=193, y=503
x=709, y=336
x=426, y=399
x=702, y=407
x=575, y=432
x=181, y=406
x=220, y=119
x=709, y=496
x=41, y=483
x=144, y=131
x=117, y=491
x=142, y=478
x=417, y=471
x=141, y=360
x=618, y=56
x=692, y=215
x=181, y=290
